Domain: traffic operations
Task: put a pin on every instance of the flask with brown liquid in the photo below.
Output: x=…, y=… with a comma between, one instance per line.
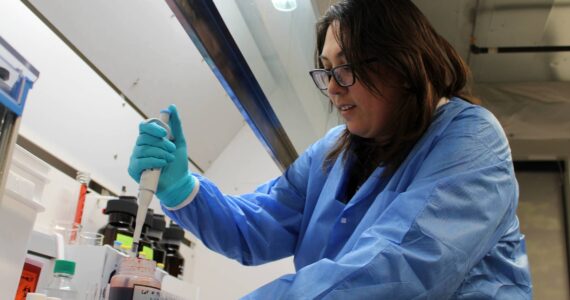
x=135, y=280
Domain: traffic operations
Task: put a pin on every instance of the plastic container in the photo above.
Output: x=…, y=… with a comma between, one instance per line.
x=171, y=239
x=62, y=286
x=29, y=278
x=20, y=204
x=134, y=280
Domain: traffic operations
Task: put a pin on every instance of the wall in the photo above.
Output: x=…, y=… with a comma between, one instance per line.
x=239, y=169
x=541, y=216
x=144, y=51
x=75, y=116
x=71, y=112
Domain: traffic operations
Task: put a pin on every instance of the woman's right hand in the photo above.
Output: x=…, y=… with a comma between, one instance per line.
x=154, y=150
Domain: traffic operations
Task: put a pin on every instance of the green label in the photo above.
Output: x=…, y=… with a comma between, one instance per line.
x=128, y=241
x=125, y=239
x=148, y=253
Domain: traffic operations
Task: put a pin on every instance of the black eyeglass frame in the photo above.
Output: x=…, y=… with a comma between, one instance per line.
x=331, y=73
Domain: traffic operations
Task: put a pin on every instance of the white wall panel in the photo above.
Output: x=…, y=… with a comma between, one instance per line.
x=142, y=48
x=71, y=112
x=242, y=166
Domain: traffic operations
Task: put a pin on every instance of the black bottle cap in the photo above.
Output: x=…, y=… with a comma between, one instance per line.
x=124, y=205
x=128, y=198
x=158, y=223
x=173, y=233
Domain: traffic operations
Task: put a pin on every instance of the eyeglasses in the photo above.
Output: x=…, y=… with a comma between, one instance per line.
x=343, y=75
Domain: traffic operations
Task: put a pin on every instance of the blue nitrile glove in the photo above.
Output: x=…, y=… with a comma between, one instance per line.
x=154, y=150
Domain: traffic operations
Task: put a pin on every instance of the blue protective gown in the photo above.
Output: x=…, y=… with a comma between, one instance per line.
x=443, y=226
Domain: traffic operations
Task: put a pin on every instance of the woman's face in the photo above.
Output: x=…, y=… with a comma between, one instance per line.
x=365, y=113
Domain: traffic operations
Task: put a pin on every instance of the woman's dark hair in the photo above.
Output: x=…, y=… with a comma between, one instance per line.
x=399, y=36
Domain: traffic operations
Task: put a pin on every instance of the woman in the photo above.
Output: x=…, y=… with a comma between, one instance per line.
x=415, y=197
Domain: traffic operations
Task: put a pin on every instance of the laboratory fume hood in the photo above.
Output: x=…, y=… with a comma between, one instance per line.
x=230, y=65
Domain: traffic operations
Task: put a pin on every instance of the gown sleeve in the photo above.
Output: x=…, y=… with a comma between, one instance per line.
x=456, y=208
x=258, y=227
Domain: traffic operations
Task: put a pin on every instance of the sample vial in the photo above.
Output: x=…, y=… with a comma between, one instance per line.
x=135, y=280
x=62, y=285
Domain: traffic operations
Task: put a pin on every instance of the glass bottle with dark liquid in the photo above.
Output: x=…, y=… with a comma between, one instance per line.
x=122, y=213
x=154, y=234
x=145, y=244
x=171, y=239
x=120, y=227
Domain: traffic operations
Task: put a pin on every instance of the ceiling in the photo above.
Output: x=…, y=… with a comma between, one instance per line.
x=143, y=51
x=528, y=92
x=503, y=23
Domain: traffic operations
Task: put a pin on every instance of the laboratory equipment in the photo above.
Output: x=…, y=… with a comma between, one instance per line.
x=22, y=177
x=147, y=187
x=62, y=285
x=17, y=77
x=171, y=239
x=95, y=267
x=135, y=279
